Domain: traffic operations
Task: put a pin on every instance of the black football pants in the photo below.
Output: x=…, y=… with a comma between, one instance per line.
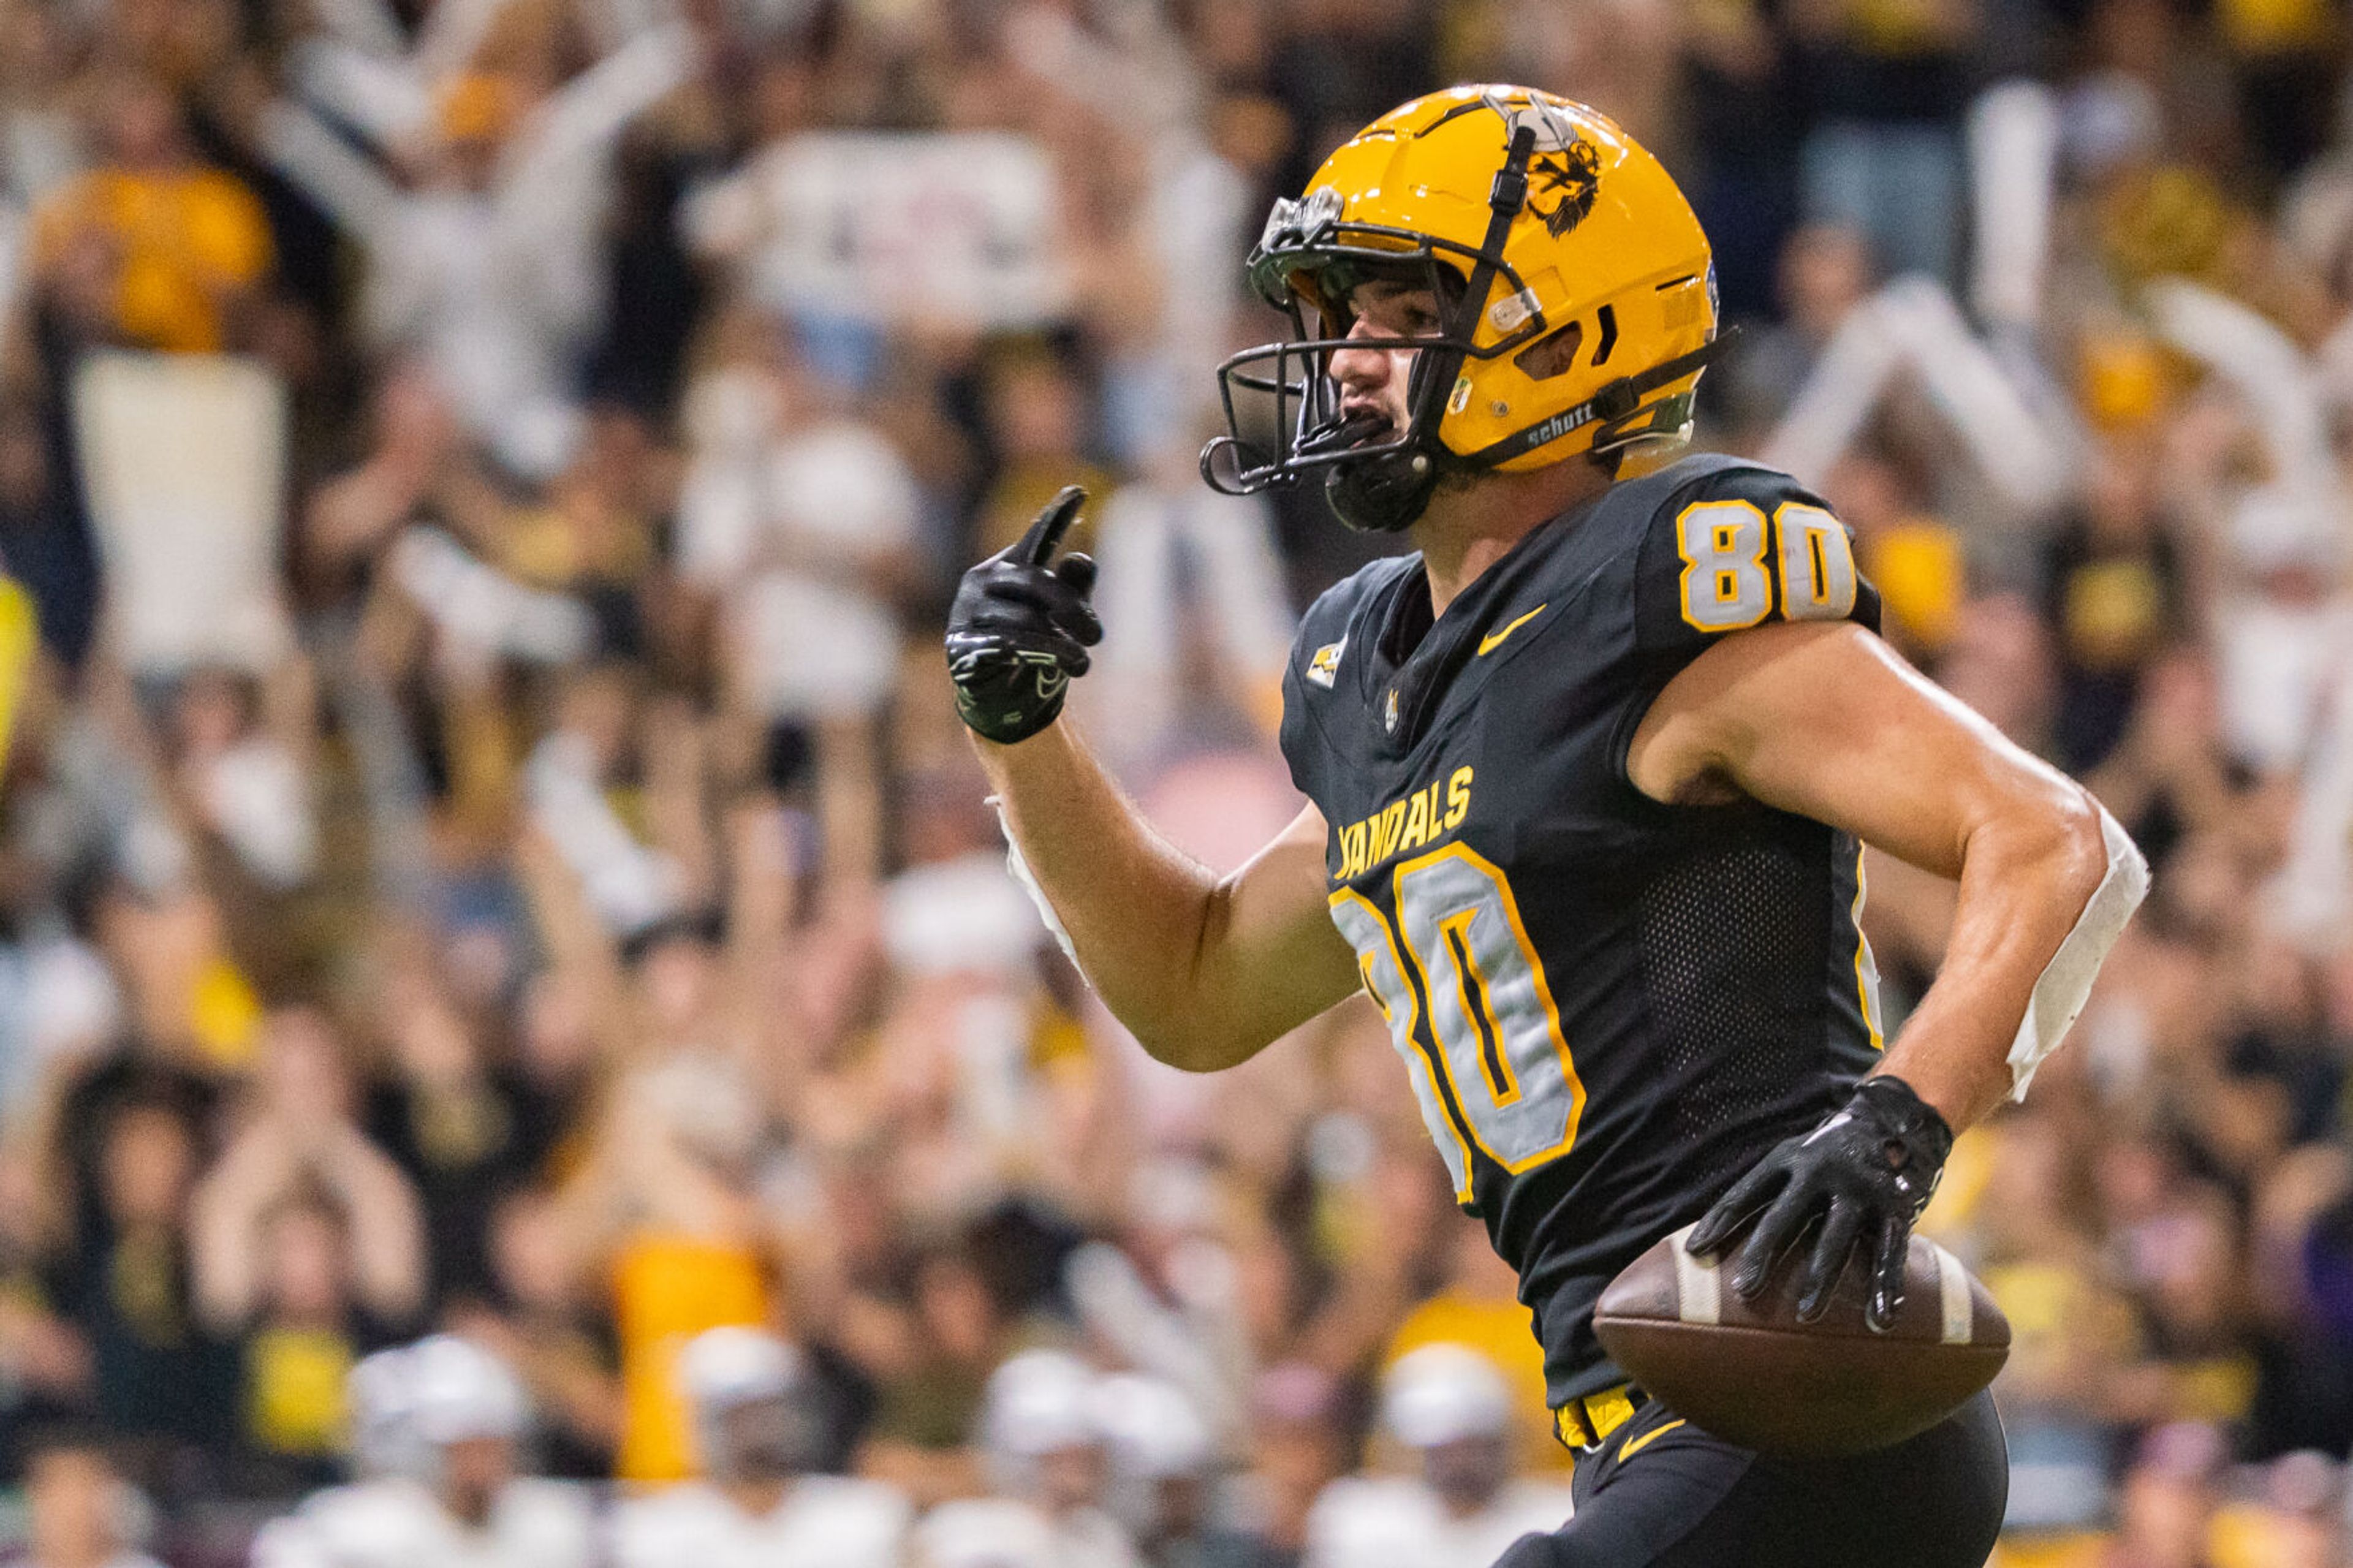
x=1661, y=1493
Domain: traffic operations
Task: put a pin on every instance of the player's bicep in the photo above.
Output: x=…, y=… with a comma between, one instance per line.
x=1828, y=721
x=1270, y=951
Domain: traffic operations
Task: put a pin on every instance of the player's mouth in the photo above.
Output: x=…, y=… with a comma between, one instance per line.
x=1354, y=427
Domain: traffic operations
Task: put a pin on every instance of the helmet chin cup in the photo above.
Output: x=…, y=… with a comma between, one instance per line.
x=1384, y=494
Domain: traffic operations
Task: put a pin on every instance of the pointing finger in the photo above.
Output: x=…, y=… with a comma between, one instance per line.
x=1045, y=535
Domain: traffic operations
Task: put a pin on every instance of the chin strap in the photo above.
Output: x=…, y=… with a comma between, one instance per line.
x=1505, y=198
x=1618, y=407
x=1386, y=494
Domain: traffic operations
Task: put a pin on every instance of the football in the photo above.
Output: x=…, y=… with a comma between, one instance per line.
x=1752, y=1374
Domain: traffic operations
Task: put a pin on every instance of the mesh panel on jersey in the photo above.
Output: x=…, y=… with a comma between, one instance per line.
x=1733, y=951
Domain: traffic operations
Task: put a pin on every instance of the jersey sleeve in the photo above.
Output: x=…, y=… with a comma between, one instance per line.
x=1742, y=548
x=1745, y=547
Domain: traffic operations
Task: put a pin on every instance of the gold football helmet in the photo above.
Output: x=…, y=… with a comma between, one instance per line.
x=1575, y=292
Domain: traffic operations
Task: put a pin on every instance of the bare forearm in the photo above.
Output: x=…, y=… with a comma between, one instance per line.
x=224, y=1222
x=1134, y=908
x=2026, y=877
x=1828, y=723
x=1204, y=970
x=387, y=1229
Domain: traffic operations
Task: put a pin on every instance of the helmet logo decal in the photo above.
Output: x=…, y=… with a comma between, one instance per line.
x=1563, y=162
x=1575, y=174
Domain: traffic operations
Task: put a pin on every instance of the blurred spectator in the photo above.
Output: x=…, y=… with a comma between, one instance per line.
x=2302, y=1249
x=1165, y=1479
x=1044, y=1441
x=387, y=1458
x=159, y=1374
x=1165, y=1300
x=465, y=1131
x=1825, y=271
x=308, y=1245
x=1882, y=157
x=2302, y=1522
x=2116, y=580
x=45, y=1372
x=931, y=1351
x=2167, y=1513
x=759, y=1420
x=242, y=780
x=1173, y=652
x=1477, y=1305
x=1745, y=123
x=44, y=543
x=1035, y=412
x=1451, y=1409
x=802, y=520
x=150, y=248
x=466, y=1502
x=660, y=1205
x=547, y=1322
x=1301, y=1448
x=80, y=1513
x=190, y=1004
x=489, y=267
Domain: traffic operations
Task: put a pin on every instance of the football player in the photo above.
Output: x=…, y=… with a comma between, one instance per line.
x=439, y=1423
x=1045, y=1447
x=1588, y=774
x=1448, y=1405
x=388, y=1463
x=759, y=1432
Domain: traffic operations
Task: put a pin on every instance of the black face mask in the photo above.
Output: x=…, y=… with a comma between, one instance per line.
x=1376, y=482
x=1307, y=252
x=1377, y=477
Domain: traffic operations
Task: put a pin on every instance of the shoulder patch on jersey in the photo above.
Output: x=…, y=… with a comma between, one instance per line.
x=1324, y=667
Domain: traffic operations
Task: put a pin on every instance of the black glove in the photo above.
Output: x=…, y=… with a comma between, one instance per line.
x=1862, y=1175
x=1020, y=629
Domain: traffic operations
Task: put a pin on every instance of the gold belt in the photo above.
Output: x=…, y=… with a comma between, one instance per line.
x=1586, y=1422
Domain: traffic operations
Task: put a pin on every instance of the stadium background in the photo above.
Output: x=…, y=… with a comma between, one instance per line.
x=486, y=845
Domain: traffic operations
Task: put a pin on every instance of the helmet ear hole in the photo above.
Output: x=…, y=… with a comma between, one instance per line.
x=1607, y=319
x=1553, y=354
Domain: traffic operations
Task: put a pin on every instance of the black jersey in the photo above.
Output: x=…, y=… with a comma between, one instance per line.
x=1609, y=1007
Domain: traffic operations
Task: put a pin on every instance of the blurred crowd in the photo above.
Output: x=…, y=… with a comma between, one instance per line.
x=517, y=1043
